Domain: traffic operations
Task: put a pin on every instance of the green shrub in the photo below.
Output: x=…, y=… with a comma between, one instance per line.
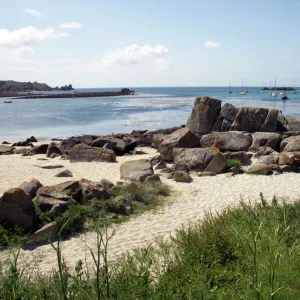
x=233, y=163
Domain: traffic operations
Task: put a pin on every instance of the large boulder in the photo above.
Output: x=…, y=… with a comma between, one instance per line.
x=92, y=191
x=293, y=124
x=84, y=153
x=259, y=169
x=17, y=209
x=157, y=140
x=47, y=233
x=242, y=156
x=196, y=159
x=136, y=170
x=287, y=140
x=217, y=165
x=52, y=148
x=31, y=187
x=180, y=138
x=253, y=119
x=229, y=112
x=204, y=114
x=182, y=176
x=225, y=125
x=40, y=149
x=227, y=141
x=265, y=139
x=286, y=158
x=5, y=150
x=293, y=145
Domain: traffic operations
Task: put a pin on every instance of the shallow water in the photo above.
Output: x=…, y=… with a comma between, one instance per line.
x=151, y=108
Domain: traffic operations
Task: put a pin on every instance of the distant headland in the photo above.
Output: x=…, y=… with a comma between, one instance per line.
x=30, y=90
x=278, y=89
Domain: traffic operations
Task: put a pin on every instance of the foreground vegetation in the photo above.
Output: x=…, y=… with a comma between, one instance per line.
x=248, y=252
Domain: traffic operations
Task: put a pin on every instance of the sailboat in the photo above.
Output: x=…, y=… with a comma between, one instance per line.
x=242, y=92
x=230, y=88
x=294, y=92
x=274, y=94
x=262, y=87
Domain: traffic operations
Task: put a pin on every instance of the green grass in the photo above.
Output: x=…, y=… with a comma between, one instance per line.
x=247, y=252
x=234, y=163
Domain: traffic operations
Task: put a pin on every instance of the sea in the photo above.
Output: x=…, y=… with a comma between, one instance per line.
x=150, y=109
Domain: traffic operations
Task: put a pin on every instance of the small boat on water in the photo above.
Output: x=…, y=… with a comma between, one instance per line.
x=284, y=97
x=243, y=92
x=7, y=101
x=230, y=88
x=274, y=94
x=295, y=91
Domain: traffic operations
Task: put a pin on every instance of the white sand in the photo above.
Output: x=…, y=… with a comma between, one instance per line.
x=189, y=202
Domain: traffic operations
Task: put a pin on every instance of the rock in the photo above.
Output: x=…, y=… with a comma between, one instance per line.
x=286, y=168
x=17, y=209
x=196, y=159
x=65, y=173
x=51, y=167
x=286, y=158
x=225, y=125
x=242, y=156
x=152, y=179
x=263, y=151
x=270, y=123
x=180, y=138
x=21, y=150
x=269, y=159
x=52, y=148
x=115, y=190
x=92, y=191
x=259, y=169
x=136, y=170
x=106, y=184
x=54, y=155
x=217, y=126
x=293, y=145
x=5, y=143
x=55, y=206
x=32, y=139
x=110, y=146
x=5, y=150
x=124, y=206
x=265, y=139
x=286, y=140
x=227, y=141
x=41, y=149
x=157, y=140
x=293, y=123
x=228, y=112
x=68, y=145
x=182, y=176
x=156, y=159
x=52, y=192
x=207, y=174
x=282, y=124
x=204, y=114
x=83, y=153
x=251, y=119
x=161, y=165
x=234, y=170
x=47, y=233
x=217, y=165
x=31, y=187
x=138, y=151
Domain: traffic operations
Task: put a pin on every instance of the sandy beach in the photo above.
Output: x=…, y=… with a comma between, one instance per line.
x=187, y=203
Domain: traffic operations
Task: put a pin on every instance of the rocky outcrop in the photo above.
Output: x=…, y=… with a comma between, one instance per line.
x=17, y=209
x=204, y=114
x=293, y=145
x=229, y=112
x=196, y=159
x=180, y=138
x=83, y=153
x=31, y=187
x=227, y=141
x=41, y=149
x=217, y=165
x=136, y=170
x=242, y=156
x=52, y=148
x=157, y=140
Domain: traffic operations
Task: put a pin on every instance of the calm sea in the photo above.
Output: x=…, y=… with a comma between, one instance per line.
x=151, y=108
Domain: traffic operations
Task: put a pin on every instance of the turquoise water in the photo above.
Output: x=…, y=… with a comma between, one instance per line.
x=151, y=108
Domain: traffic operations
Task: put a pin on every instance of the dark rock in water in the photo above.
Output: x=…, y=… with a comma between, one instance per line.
x=227, y=141
x=31, y=187
x=83, y=153
x=17, y=209
x=217, y=165
x=106, y=184
x=136, y=170
x=265, y=139
x=65, y=173
x=242, y=156
x=180, y=138
x=204, y=114
x=52, y=148
x=251, y=119
x=196, y=159
x=228, y=112
x=182, y=176
x=41, y=149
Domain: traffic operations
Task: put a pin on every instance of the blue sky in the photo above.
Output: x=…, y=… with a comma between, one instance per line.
x=98, y=43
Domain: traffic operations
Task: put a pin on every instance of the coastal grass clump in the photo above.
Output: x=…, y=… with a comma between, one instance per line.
x=248, y=252
x=234, y=163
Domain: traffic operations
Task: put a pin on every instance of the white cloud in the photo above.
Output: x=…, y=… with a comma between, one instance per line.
x=72, y=25
x=27, y=37
x=32, y=12
x=133, y=54
x=212, y=44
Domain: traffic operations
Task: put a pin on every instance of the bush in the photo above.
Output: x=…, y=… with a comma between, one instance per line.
x=233, y=163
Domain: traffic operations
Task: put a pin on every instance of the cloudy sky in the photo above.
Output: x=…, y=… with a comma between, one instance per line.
x=116, y=43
